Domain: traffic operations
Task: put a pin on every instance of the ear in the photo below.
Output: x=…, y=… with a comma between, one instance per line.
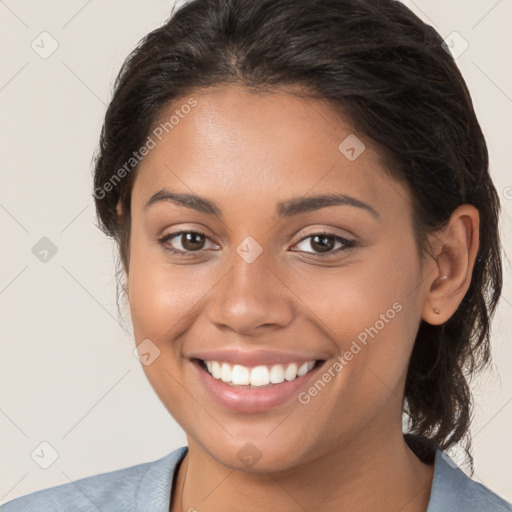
x=119, y=209
x=456, y=248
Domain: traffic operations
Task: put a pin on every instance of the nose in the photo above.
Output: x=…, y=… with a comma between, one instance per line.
x=251, y=299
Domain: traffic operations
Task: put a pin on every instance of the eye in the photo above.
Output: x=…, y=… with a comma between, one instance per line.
x=188, y=243
x=325, y=244
x=184, y=242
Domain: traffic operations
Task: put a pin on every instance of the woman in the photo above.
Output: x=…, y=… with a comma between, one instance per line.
x=308, y=231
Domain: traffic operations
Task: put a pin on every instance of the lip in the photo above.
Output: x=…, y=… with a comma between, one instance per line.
x=255, y=357
x=252, y=400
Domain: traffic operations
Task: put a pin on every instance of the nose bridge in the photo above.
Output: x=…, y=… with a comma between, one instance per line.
x=250, y=295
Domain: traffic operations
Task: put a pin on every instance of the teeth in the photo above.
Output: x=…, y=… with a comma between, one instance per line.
x=259, y=376
x=276, y=374
x=291, y=372
x=302, y=370
x=215, y=369
x=225, y=372
x=239, y=375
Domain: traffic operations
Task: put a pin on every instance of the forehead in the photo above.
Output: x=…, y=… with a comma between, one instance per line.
x=247, y=148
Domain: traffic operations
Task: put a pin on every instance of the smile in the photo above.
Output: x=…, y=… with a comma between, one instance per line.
x=239, y=375
x=254, y=389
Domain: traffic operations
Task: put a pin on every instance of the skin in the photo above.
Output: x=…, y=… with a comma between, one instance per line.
x=247, y=152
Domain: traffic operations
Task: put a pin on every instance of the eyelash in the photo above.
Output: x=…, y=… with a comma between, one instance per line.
x=348, y=244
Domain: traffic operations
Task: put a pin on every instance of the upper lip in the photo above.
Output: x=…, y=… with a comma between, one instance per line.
x=254, y=357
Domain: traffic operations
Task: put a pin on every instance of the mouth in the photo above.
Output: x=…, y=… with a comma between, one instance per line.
x=254, y=389
x=258, y=376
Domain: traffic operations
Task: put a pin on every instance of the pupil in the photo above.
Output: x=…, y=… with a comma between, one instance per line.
x=192, y=241
x=322, y=245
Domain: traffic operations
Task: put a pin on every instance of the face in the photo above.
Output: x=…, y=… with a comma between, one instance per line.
x=232, y=261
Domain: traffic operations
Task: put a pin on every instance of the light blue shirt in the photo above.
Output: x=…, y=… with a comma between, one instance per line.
x=147, y=488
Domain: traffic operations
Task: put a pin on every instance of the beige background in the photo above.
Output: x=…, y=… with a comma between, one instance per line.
x=68, y=374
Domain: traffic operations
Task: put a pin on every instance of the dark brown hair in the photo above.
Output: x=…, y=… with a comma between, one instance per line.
x=389, y=74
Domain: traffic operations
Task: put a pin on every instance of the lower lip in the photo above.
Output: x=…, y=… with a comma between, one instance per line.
x=252, y=400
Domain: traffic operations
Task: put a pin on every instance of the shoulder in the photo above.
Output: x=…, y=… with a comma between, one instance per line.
x=145, y=486
x=453, y=490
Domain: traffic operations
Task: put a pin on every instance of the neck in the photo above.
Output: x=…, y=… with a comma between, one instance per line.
x=381, y=474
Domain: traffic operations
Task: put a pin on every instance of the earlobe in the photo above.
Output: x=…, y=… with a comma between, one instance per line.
x=433, y=312
x=456, y=255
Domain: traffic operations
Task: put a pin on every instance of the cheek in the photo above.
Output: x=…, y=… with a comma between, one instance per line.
x=161, y=295
x=350, y=298
x=161, y=299
x=370, y=313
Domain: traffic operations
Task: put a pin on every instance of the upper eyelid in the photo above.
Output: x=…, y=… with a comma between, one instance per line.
x=325, y=233
x=170, y=236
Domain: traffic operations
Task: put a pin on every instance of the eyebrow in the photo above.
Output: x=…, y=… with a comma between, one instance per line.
x=288, y=208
